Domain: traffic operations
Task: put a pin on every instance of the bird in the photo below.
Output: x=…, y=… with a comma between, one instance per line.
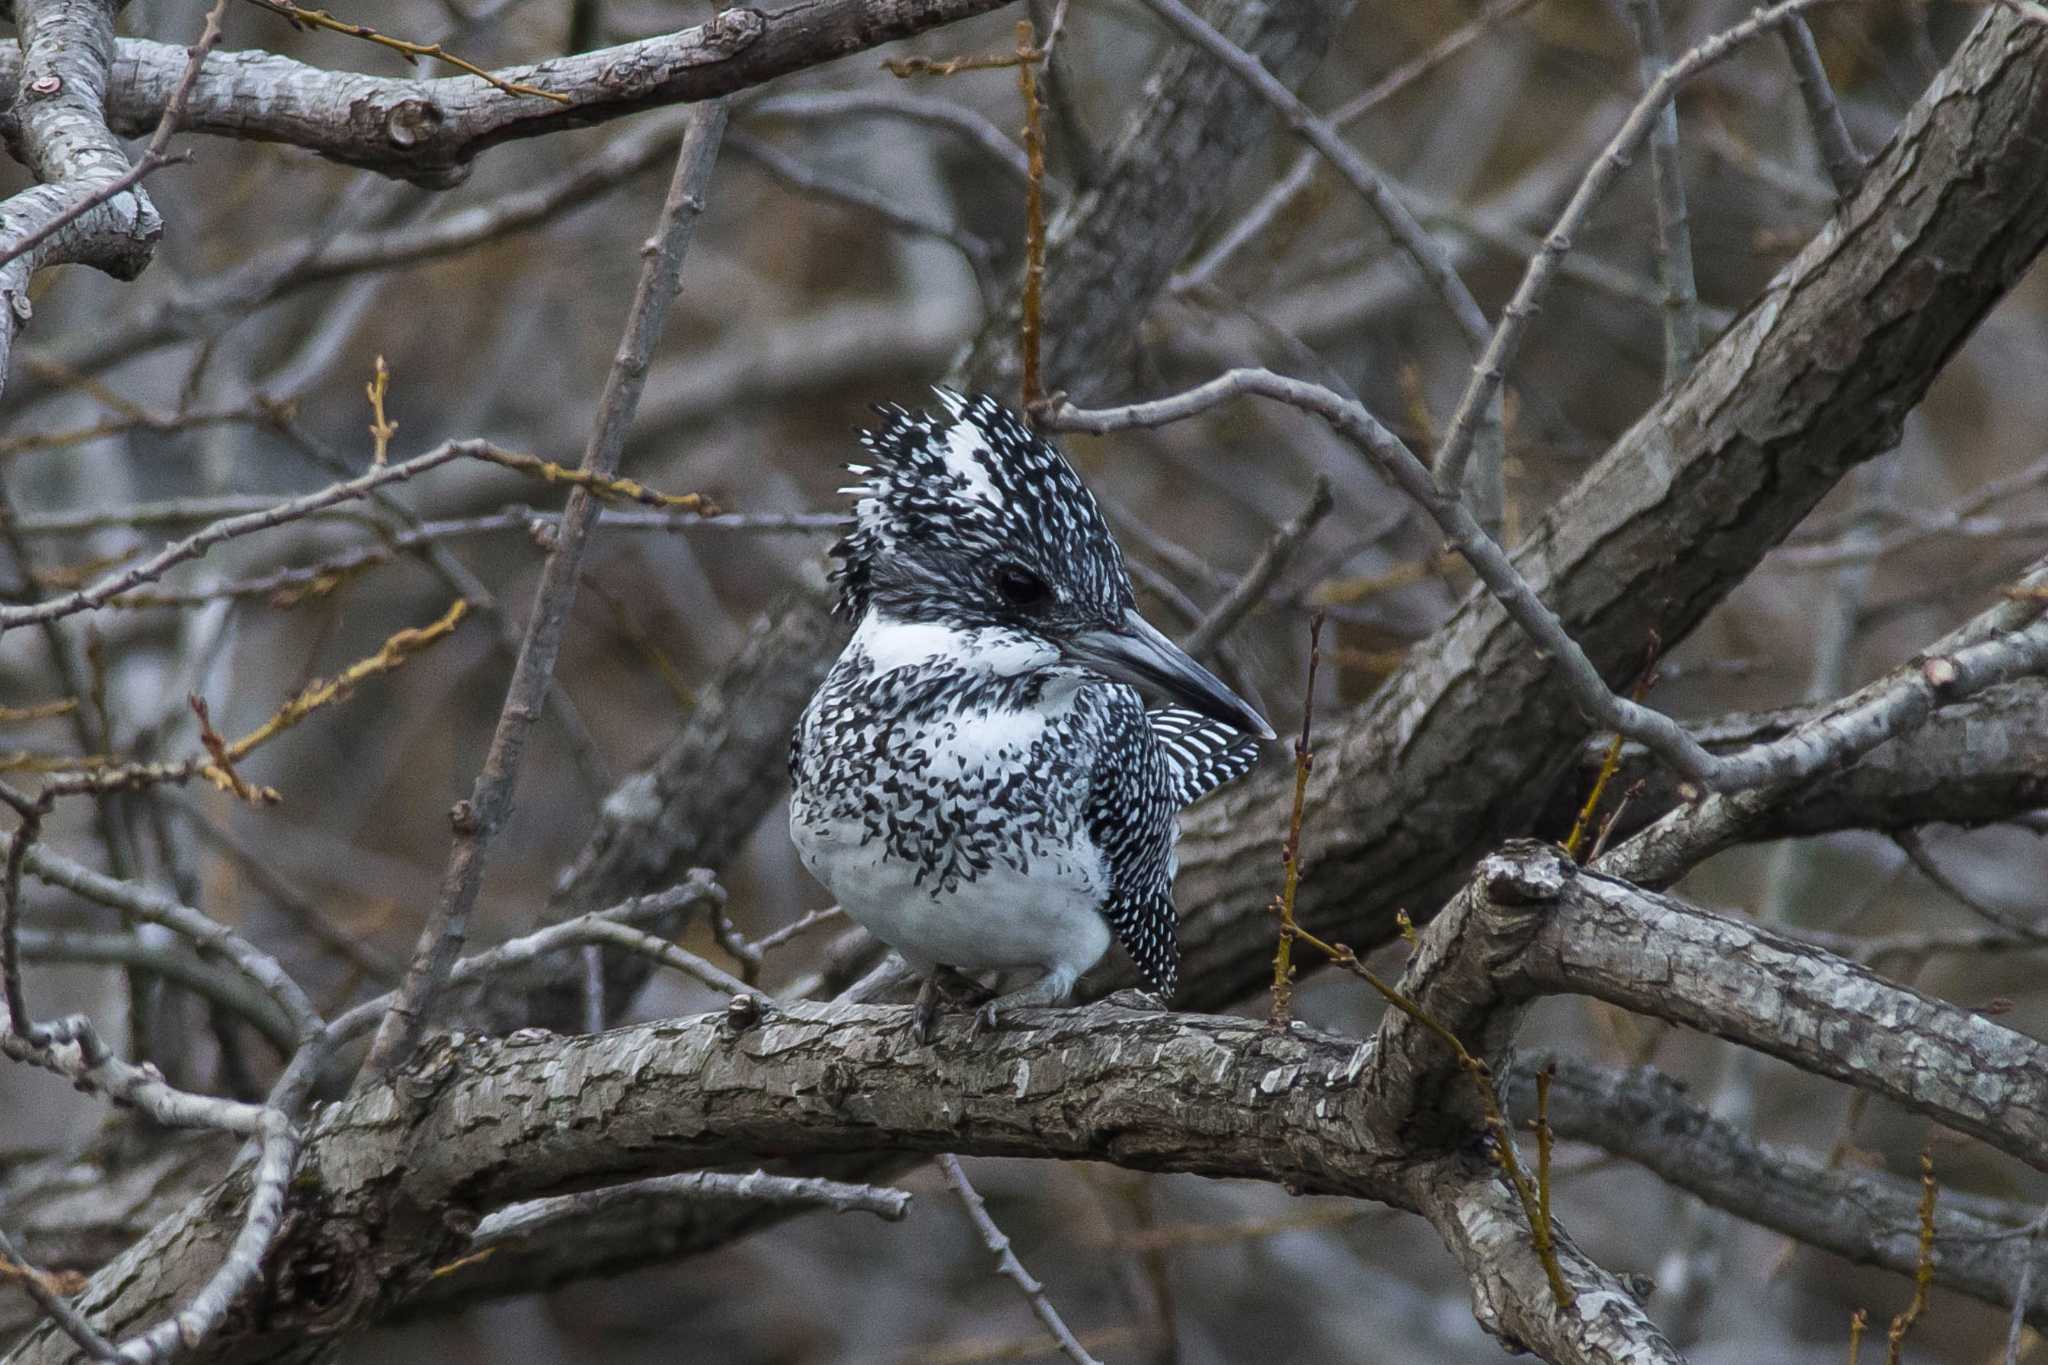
x=979, y=779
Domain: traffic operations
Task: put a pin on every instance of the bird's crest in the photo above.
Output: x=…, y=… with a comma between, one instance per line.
x=941, y=495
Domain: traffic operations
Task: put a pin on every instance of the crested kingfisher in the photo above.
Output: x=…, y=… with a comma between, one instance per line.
x=979, y=780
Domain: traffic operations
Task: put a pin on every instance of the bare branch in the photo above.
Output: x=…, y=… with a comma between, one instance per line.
x=1837, y=149
x=490, y=804
x=642, y=1199
x=1674, y=235
x=1008, y=1266
x=1273, y=557
x=429, y=130
x=58, y=99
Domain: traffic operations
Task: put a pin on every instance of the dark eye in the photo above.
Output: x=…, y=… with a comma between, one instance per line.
x=1020, y=587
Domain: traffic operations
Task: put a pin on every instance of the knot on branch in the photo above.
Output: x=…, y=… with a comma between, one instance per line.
x=730, y=31
x=411, y=122
x=1525, y=872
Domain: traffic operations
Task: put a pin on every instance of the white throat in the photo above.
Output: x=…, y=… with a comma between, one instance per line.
x=997, y=651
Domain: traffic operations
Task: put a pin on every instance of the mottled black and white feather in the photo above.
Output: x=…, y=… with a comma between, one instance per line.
x=1202, y=754
x=942, y=495
x=972, y=795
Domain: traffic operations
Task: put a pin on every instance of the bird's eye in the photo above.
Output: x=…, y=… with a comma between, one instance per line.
x=1020, y=587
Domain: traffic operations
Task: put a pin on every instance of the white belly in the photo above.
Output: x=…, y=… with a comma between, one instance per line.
x=1004, y=918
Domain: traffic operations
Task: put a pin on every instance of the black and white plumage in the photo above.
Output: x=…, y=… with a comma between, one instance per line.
x=978, y=781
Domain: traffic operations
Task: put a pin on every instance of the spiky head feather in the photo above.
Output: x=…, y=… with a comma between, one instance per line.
x=946, y=498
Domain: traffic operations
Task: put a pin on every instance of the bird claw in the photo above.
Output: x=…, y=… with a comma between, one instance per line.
x=986, y=1019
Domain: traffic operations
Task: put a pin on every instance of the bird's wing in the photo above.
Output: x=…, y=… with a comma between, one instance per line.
x=1201, y=754
x=1130, y=813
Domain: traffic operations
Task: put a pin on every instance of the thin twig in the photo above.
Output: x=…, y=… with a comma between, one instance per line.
x=1490, y=372
x=19, y=1021
x=40, y=1287
x=2023, y=1290
x=479, y=818
x=1923, y=1266
x=1865, y=719
x=1289, y=186
x=412, y=52
x=1030, y=326
x=1674, y=236
x=1273, y=557
x=1505, y=1150
x=1290, y=850
x=1007, y=1264
x=1837, y=148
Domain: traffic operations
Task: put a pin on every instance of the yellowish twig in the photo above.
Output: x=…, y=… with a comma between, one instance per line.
x=63, y=1283
x=1417, y=403
x=1857, y=1322
x=222, y=769
x=655, y=657
x=1923, y=1266
x=300, y=17
x=44, y=710
x=382, y=429
x=602, y=488
x=28, y=761
x=461, y=1261
x=1609, y=765
x=68, y=577
x=902, y=67
x=394, y=652
x=1583, y=826
x=1407, y=928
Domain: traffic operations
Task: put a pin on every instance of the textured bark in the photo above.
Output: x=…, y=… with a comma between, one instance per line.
x=1461, y=746
x=429, y=130
x=394, y=1181
x=1658, y=956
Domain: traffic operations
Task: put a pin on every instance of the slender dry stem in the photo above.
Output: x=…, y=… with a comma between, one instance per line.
x=1290, y=852
x=302, y=18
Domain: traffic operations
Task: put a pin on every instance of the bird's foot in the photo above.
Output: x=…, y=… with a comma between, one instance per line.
x=944, y=987
x=1051, y=989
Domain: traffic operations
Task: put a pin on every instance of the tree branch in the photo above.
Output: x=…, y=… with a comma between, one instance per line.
x=430, y=130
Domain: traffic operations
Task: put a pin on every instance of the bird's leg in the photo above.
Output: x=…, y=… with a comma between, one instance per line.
x=1051, y=989
x=943, y=986
x=925, y=1013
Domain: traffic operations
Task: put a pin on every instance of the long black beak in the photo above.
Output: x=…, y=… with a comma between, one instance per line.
x=1137, y=654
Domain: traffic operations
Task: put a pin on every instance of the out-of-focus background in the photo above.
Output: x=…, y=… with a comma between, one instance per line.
x=800, y=307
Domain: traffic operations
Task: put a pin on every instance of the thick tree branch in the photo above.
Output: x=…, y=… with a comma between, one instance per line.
x=57, y=97
x=429, y=130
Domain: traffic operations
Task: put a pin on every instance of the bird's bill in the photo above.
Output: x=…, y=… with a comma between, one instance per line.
x=1137, y=654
